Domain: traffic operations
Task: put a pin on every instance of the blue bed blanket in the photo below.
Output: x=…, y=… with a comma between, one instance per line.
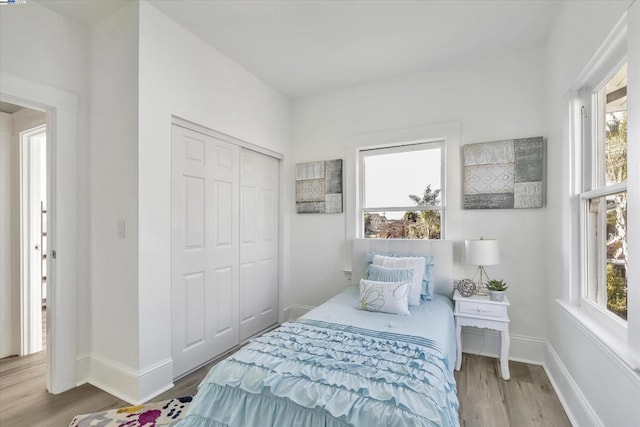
x=315, y=373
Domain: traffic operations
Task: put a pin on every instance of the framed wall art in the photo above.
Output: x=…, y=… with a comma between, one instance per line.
x=319, y=187
x=504, y=174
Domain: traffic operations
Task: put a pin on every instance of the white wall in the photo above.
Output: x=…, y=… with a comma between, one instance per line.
x=495, y=98
x=54, y=52
x=114, y=197
x=6, y=292
x=181, y=75
x=597, y=388
x=143, y=68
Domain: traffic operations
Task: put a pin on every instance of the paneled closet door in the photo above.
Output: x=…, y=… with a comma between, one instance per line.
x=205, y=248
x=259, y=182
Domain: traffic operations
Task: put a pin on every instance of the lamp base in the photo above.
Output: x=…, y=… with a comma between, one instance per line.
x=481, y=289
x=481, y=285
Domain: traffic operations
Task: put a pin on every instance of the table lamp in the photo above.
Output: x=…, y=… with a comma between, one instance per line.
x=482, y=252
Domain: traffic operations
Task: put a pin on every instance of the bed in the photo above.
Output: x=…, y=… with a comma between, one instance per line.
x=339, y=365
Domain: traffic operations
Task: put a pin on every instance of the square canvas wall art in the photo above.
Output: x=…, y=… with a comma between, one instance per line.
x=319, y=187
x=504, y=174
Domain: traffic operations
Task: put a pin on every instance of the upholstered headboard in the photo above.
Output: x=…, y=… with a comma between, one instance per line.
x=441, y=250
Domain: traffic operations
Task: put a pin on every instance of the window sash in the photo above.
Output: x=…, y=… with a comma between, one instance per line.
x=418, y=146
x=595, y=189
x=400, y=148
x=594, y=286
x=604, y=191
x=404, y=208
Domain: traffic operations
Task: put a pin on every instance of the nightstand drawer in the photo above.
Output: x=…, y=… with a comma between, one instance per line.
x=476, y=309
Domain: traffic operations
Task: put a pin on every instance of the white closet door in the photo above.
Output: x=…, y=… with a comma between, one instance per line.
x=259, y=178
x=205, y=248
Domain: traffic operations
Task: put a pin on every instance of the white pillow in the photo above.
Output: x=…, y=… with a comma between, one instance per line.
x=417, y=264
x=387, y=297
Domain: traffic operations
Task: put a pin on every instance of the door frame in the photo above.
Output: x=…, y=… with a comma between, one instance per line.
x=61, y=108
x=29, y=328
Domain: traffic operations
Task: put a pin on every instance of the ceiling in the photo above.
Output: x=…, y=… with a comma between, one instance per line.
x=86, y=12
x=304, y=48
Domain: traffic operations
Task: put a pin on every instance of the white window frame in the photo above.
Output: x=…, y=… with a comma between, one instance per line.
x=363, y=153
x=594, y=186
x=620, y=338
x=448, y=132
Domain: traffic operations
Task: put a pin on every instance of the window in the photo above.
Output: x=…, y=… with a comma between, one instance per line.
x=402, y=191
x=603, y=289
x=604, y=195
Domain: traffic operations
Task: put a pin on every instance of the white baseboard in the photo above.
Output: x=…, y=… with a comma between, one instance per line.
x=487, y=343
x=114, y=378
x=82, y=368
x=130, y=385
x=155, y=380
x=578, y=409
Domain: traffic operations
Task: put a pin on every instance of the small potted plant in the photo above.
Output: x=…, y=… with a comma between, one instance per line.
x=496, y=289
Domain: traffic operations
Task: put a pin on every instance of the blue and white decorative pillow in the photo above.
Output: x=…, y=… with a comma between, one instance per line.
x=378, y=273
x=427, y=288
x=417, y=264
x=386, y=297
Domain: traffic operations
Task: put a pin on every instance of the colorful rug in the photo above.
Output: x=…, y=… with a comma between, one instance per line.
x=155, y=414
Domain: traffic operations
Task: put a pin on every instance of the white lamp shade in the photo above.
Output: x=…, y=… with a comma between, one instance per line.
x=482, y=252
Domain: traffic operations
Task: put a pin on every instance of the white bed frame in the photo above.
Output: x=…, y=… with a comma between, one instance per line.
x=441, y=250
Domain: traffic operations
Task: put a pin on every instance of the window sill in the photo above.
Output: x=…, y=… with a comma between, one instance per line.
x=611, y=342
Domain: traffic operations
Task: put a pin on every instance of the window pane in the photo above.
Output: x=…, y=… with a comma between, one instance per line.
x=616, y=254
x=402, y=225
x=615, y=123
x=608, y=215
x=390, y=179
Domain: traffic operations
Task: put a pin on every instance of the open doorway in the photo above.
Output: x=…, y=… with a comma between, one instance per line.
x=23, y=230
x=33, y=238
x=61, y=110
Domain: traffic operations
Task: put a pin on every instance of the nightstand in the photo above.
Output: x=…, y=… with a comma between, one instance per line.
x=480, y=312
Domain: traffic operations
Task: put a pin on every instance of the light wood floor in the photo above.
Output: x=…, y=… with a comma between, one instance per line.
x=485, y=399
x=527, y=399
